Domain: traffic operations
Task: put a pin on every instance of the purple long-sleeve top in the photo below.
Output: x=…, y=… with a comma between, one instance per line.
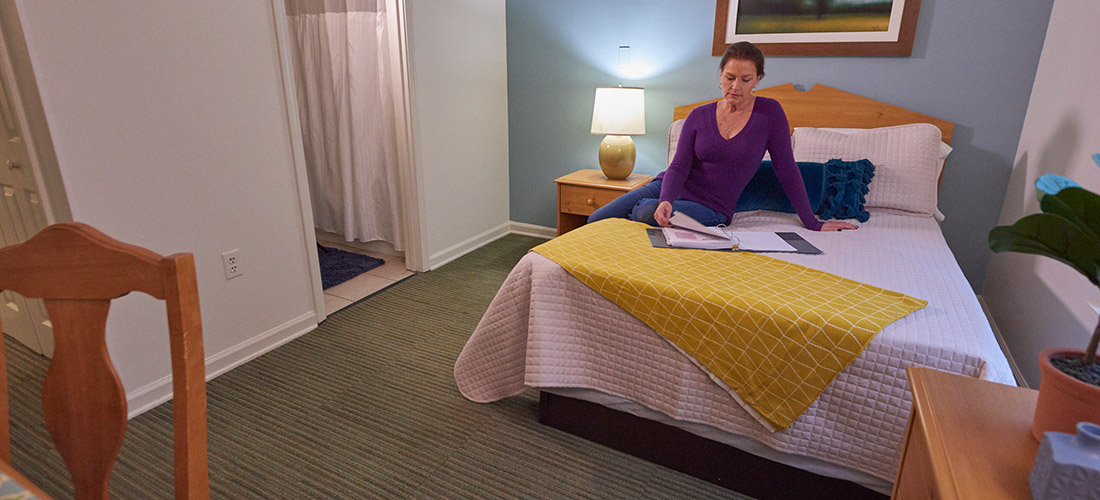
x=713, y=171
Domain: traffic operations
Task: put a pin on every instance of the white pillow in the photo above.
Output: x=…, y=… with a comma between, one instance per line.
x=674, y=138
x=945, y=149
x=907, y=161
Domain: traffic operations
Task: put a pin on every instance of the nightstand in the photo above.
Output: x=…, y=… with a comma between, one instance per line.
x=582, y=192
x=966, y=438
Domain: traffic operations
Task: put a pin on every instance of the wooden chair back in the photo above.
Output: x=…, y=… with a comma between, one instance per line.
x=78, y=271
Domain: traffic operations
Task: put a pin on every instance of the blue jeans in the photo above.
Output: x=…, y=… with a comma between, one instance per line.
x=639, y=205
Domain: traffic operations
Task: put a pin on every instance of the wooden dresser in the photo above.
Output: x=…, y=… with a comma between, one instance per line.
x=966, y=438
x=582, y=192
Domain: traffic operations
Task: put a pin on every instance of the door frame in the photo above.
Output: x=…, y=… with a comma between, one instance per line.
x=408, y=178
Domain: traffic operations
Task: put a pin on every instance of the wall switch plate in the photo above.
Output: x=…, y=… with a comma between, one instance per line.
x=231, y=261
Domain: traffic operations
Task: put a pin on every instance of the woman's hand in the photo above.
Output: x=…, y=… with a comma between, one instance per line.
x=663, y=212
x=836, y=225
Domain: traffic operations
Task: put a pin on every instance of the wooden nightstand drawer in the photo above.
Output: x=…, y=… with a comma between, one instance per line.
x=582, y=192
x=582, y=200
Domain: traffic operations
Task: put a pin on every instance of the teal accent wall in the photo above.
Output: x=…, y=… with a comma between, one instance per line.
x=973, y=63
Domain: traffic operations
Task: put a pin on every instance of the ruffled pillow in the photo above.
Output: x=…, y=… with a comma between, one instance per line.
x=836, y=189
x=846, y=188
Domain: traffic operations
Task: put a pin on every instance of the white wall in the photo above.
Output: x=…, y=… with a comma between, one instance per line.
x=1035, y=301
x=171, y=131
x=459, y=83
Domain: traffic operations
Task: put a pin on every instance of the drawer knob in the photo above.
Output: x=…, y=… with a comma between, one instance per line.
x=591, y=202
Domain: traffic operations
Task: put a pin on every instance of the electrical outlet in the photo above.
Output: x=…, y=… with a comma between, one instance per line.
x=231, y=260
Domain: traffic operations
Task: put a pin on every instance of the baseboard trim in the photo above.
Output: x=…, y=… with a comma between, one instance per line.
x=533, y=230
x=146, y=398
x=1020, y=380
x=438, y=259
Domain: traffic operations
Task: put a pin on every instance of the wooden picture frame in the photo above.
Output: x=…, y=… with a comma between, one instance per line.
x=858, y=44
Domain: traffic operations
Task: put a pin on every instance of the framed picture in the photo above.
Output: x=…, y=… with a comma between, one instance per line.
x=818, y=27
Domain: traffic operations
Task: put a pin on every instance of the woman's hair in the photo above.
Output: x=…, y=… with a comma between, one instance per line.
x=744, y=51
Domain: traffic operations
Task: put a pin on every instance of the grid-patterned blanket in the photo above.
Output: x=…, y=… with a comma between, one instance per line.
x=774, y=332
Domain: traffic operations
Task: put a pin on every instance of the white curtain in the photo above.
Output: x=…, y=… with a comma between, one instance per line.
x=341, y=60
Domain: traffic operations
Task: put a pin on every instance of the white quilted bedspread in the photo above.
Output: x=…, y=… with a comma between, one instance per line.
x=546, y=329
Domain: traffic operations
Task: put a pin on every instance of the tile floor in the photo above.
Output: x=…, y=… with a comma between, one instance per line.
x=352, y=290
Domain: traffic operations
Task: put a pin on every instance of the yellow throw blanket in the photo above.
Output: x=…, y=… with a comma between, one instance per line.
x=774, y=333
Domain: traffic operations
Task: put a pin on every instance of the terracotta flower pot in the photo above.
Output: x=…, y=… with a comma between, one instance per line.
x=1063, y=400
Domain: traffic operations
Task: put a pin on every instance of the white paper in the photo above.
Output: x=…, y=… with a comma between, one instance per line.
x=752, y=241
x=679, y=219
x=684, y=238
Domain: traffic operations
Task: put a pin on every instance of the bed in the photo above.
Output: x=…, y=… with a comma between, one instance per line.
x=602, y=371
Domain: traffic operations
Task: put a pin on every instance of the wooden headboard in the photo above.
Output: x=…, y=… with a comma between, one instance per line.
x=824, y=106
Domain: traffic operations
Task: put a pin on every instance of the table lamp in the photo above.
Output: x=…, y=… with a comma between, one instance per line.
x=619, y=112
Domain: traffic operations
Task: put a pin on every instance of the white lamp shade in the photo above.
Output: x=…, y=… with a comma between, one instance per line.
x=619, y=111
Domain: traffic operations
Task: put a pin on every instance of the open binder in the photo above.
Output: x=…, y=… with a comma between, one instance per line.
x=657, y=239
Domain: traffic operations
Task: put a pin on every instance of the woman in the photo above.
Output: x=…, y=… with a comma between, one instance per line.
x=720, y=149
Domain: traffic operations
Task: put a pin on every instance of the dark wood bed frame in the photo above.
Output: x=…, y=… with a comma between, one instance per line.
x=708, y=460
x=697, y=456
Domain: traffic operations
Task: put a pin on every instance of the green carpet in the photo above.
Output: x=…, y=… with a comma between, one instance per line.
x=365, y=406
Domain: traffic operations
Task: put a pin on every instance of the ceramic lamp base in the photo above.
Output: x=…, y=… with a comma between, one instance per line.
x=617, y=156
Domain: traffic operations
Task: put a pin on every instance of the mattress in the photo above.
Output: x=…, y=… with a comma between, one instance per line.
x=545, y=329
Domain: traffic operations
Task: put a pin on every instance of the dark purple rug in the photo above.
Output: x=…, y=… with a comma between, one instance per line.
x=338, y=266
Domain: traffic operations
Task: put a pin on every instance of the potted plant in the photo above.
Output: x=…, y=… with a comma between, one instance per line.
x=1067, y=230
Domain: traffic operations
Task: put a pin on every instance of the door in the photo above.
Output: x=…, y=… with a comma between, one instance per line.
x=21, y=216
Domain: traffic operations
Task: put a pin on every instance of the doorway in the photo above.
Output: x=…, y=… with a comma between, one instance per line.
x=349, y=76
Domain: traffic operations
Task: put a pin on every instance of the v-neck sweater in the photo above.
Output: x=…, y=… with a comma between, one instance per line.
x=713, y=171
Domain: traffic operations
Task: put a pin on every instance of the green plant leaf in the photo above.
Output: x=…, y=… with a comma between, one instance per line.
x=1077, y=205
x=1052, y=236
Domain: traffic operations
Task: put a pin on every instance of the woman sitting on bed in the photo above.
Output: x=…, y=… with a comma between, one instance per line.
x=720, y=149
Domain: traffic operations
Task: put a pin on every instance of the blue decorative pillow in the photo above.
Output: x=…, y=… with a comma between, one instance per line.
x=846, y=187
x=764, y=192
x=836, y=189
